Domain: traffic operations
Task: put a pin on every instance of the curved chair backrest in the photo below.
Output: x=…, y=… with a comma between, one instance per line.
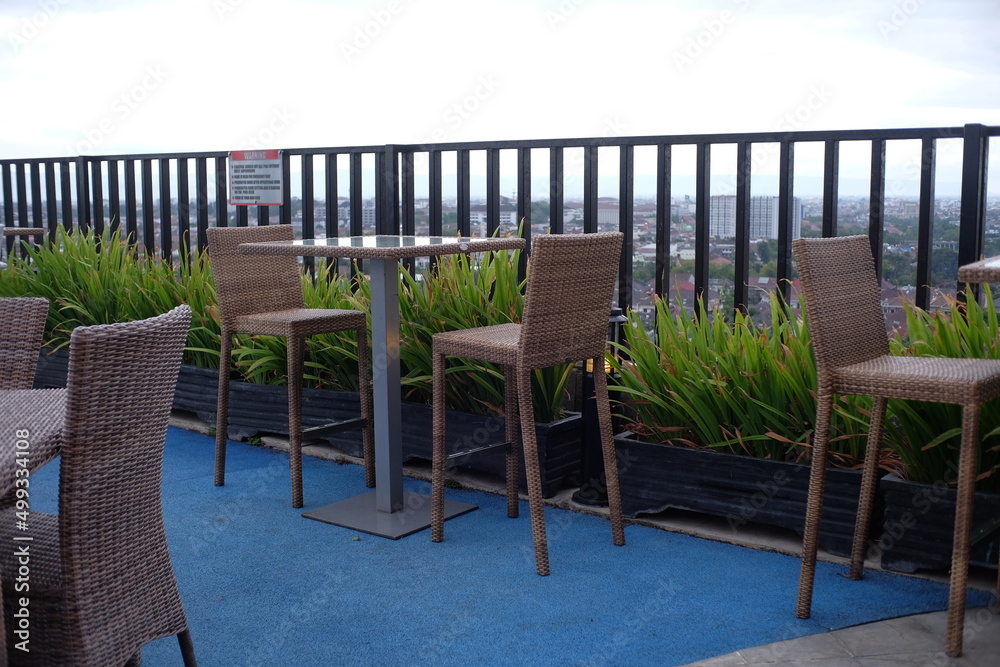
x=22, y=325
x=842, y=300
x=120, y=388
x=251, y=284
x=571, y=281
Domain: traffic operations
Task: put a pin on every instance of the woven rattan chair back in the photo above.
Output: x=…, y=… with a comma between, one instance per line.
x=842, y=300
x=568, y=297
x=251, y=284
x=22, y=320
x=119, y=585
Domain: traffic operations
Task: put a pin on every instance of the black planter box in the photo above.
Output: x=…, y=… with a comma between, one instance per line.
x=919, y=525
x=742, y=489
x=256, y=409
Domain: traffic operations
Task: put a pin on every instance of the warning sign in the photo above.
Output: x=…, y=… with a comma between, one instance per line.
x=255, y=178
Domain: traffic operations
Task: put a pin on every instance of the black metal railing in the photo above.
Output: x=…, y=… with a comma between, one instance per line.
x=122, y=192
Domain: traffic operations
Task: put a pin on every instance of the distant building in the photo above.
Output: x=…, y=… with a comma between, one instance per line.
x=763, y=217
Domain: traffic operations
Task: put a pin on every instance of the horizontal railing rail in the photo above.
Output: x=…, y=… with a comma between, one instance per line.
x=136, y=194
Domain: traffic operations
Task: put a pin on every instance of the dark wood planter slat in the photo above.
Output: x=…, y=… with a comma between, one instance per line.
x=919, y=523
x=741, y=489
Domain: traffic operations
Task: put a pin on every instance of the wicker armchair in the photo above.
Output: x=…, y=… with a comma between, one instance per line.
x=263, y=296
x=565, y=320
x=23, y=321
x=102, y=584
x=847, y=329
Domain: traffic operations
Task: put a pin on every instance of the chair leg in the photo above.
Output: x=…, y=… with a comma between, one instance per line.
x=187, y=648
x=963, y=529
x=296, y=351
x=513, y=439
x=869, y=476
x=814, y=505
x=439, y=454
x=529, y=442
x=608, y=448
x=222, y=408
x=365, y=390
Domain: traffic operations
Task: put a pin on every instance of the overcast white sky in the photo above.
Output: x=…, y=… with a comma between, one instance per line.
x=130, y=76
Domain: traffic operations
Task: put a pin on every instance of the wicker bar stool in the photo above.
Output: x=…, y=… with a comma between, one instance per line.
x=847, y=329
x=23, y=321
x=102, y=584
x=263, y=295
x=565, y=320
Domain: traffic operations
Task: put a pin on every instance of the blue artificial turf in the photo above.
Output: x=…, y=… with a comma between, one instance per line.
x=263, y=586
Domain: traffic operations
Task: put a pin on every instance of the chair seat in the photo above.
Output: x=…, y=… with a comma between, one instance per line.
x=299, y=322
x=939, y=379
x=496, y=344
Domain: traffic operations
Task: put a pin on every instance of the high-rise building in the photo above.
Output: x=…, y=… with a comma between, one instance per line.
x=763, y=217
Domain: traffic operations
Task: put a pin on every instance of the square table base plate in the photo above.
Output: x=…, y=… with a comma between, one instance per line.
x=360, y=513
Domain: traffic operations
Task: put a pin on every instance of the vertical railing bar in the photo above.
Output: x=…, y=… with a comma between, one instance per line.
x=114, y=197
x=131, y=203
x=556, y=169
x=221, y=193
x=50, y=198
x=8, y=203
x=925, y=225
x=975, y=149
x=831, y=187
x=591, y=170
x=387, y=191
x=661, y=279
x=97, y=189
x=37, y=210
x=626, y=210
x=67, y=195
x=201, y=201
x=523, y=205
x=308, y=208
x=786, y=216
x=184, y=210
x=741, y=266
x=263, y=215
x=166, y=212
x=22, y=196
x=702, y=198
x=148, y=227
x=82, y=192
x=876, y=204
x=332, y=196
x=492, y=191
x=408, y=221
x=464, y=204
x=356, y=207
x=285, y=210
x=242, y=215
x=435, y=213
